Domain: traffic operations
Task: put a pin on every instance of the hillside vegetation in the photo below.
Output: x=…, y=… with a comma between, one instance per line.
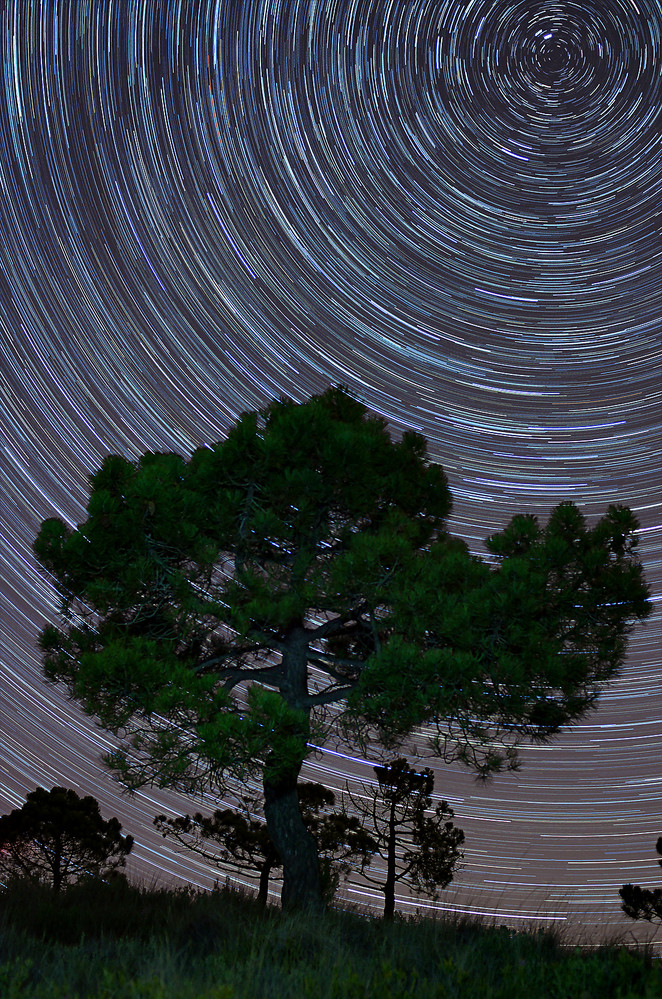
x=125, y=942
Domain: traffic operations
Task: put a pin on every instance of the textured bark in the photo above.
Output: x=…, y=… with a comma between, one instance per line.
x=302, y=887
x=295, y=845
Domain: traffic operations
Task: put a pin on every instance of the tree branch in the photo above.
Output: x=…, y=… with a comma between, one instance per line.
x=235, y=653
x=231, y=677
x=337, y=624
x=326, y=660
x=329, y=695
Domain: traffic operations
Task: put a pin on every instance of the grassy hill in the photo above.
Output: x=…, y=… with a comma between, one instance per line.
x=126, y=942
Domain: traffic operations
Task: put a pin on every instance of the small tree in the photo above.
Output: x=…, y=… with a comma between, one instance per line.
x=57, y=838
x=643, y=903
x=239, y=842
x=242, y=842
x=419, y=848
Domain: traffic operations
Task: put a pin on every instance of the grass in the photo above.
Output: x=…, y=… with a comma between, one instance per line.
x=126, y=942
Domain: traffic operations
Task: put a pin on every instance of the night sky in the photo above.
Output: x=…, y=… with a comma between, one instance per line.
x=453, y=208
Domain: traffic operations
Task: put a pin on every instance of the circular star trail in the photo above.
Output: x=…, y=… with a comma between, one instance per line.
x=452, y=208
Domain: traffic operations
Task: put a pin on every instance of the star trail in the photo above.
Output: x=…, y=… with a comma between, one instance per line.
x=455, y=209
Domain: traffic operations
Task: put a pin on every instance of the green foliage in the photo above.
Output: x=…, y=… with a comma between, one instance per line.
x=518, y=649
x=319, y=512
x=57, y=838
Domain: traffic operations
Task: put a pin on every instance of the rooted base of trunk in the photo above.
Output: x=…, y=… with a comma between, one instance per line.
x=302, y=886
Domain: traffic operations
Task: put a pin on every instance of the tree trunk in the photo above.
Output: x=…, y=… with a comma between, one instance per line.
x=263, y=893
x=302, y=887
x=56, y=864
x=294, y=844
x=389, y=884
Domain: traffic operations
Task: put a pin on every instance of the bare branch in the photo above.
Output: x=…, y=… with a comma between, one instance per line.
x=232, y=677
x=337, y=624
x=329, y=695
x=325, y=661
x=237, y=653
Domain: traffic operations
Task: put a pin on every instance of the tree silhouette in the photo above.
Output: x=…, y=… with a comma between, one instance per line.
x=239, y=842
x=643, y=903
x=295, y=582
x=421, y=849
x=57, y=838
x=242, y=842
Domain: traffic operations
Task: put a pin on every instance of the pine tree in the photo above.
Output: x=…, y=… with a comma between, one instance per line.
x=419, y=848
x=57, y=838
x=221, y=615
